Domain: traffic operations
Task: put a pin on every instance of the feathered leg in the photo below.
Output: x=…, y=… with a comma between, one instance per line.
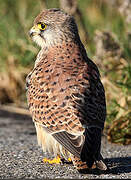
x=79, y=165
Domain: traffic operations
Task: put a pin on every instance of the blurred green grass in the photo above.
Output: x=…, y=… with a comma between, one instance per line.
x=18, y=52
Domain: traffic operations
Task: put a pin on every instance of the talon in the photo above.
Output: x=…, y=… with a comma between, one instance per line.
x=56, y=160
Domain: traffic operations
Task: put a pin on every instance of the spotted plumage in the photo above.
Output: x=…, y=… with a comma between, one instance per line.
x=65, y=95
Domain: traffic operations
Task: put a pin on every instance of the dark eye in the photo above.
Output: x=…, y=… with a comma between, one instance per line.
x=42, y=26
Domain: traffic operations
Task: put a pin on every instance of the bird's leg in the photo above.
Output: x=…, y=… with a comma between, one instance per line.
x=56, y=160
x=69, y=159
x=81, y=166
x=66, y=161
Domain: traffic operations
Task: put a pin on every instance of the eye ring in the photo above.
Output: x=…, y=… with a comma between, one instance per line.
x=42, y=26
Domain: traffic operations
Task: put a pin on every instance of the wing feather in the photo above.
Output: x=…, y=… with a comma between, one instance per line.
x=71, y=142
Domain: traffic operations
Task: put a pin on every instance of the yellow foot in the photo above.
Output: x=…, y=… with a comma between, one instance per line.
x=56, y=160
x=69, y=159
x=66, y=161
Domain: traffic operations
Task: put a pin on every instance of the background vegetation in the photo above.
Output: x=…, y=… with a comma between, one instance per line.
x=105, y=30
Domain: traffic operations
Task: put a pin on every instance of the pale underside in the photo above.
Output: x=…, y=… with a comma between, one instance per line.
x=49, y=144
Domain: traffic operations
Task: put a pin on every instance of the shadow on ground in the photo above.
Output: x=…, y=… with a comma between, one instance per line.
x=119, y=165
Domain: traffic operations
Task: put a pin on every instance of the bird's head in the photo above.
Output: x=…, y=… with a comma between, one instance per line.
x=53, y=26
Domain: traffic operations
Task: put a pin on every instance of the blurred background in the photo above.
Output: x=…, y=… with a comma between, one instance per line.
x=105, y=30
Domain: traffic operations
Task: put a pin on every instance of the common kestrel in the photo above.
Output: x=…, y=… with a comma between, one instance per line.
x=65, y=95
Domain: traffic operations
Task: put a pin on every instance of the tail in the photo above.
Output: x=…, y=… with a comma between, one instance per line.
x=91, y=149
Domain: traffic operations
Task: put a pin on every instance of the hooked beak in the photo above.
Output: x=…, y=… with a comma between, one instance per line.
x=33, y=31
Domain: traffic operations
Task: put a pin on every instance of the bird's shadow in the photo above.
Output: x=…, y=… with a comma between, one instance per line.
x=117, y=165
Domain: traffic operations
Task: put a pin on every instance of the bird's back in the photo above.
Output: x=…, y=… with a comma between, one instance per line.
x=65, y=94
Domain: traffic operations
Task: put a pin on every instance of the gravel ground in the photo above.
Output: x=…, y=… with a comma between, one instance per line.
x=20, y=156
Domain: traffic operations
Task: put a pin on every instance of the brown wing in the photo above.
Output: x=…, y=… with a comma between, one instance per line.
x=51, y=104
x=93, y=106
x=65, y=95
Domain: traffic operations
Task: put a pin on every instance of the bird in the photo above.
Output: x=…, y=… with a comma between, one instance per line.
x=65, y=95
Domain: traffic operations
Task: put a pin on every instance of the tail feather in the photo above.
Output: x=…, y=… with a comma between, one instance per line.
x=100, y=164
x=91, y=148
